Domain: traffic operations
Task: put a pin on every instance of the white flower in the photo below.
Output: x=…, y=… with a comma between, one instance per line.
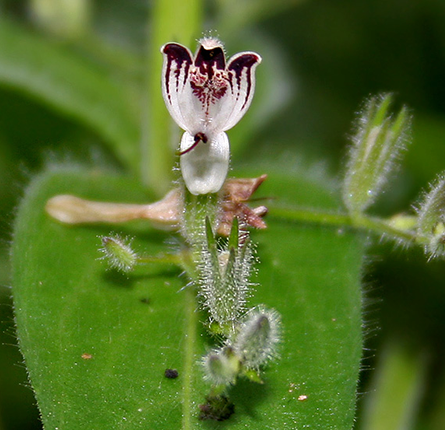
x=205, y=96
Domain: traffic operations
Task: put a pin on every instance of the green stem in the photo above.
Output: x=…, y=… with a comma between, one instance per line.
x=189, y=357
x=382, y=227
x=375, y=225
x=217, y=390
x=397, y=391
x=197, y=209
x=172, y=20
x=165, y=258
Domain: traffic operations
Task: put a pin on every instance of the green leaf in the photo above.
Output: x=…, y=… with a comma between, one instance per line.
x=213, y=251
x=71, y=84
x=97, y=344
x=234, y=235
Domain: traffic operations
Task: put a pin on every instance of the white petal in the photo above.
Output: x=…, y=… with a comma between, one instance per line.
x=241, y=73
x=204, y=168
x=224, y=100
x=201, y=93
x=176, y=81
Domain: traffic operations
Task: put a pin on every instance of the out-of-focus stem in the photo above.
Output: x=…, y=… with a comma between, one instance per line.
x=173, y=20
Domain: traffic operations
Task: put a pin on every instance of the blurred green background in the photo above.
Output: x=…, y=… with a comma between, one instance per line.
x=321, y=60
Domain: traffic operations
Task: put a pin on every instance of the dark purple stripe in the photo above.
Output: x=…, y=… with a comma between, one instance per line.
x=180, y=55
x=207, y=59
x=245, y=61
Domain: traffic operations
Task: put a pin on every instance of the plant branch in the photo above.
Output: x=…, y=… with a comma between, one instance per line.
x=375, y=225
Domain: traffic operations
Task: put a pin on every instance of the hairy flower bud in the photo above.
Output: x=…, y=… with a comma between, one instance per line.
x=118, y=253
x=221, y=367
x=257, y=339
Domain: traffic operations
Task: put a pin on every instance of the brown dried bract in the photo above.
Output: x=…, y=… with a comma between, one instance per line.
x=236, y=193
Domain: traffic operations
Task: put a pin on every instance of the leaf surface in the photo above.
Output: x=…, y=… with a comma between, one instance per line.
x=97, y=344
x=71, y=84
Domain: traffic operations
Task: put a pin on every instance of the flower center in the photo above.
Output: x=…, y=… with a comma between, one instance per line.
x=199, y=137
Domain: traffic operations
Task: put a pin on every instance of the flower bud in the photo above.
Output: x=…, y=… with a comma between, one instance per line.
x=257, y=339
x=403, y=222
x=118, y=253
x=222, y=367
x=69, y=209
x=204, y=169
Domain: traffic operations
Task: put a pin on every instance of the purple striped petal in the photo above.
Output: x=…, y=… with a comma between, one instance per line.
x=175, y=81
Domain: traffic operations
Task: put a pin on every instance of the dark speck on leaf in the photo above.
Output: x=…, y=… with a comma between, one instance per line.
x=217, y=408
x=145, y=300
x=171, y=373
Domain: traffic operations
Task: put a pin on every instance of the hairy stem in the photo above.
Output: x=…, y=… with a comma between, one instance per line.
x=190, y=357
x=375, y=225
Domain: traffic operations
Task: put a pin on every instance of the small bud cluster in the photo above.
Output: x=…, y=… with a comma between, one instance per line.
x=252, y=345
x=224, y=282
x=222, y=269
x=250, y=335
x=376, y=145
